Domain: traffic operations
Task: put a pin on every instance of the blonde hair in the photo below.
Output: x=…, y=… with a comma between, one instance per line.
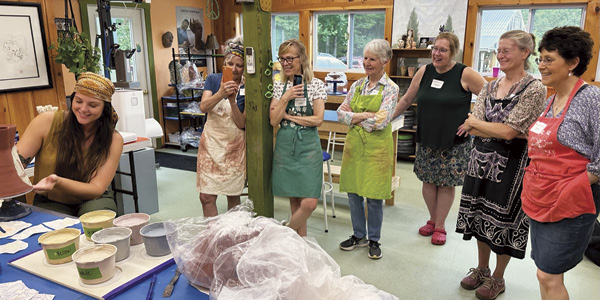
x=303, y=57
x=452, y=40
x=524, y=40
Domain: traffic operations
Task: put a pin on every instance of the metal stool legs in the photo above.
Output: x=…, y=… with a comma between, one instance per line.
x=327, y=187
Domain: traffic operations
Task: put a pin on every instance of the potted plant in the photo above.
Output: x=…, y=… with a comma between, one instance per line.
x=76, y=52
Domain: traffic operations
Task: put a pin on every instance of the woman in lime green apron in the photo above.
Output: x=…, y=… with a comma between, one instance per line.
x=368, y=160
x=297, y=158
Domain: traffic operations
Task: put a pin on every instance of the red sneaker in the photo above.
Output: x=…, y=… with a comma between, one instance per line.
x=475, y=278
x=491, y=288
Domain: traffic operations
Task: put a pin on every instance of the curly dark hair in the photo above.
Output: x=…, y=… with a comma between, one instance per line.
x=570, y=42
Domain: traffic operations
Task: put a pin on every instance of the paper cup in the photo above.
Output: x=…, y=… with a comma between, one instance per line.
x=135, y=222
x=95, y=221
x=59, y=245
x=95, y=264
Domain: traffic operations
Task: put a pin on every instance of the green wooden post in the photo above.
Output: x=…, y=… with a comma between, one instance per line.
x=259, y=132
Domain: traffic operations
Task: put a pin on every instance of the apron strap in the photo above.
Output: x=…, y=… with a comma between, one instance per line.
x=297, y=134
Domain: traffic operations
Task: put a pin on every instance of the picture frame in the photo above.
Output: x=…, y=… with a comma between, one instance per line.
x=23, y=50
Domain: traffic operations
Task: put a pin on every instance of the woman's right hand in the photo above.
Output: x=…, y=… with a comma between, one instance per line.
x=46, y=184
x=227, y=88
x=294, y=92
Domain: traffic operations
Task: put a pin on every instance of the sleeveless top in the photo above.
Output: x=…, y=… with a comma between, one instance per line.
x=45, y=159
x=441, y=109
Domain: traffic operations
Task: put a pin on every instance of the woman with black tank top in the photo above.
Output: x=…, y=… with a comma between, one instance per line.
x=443, y=91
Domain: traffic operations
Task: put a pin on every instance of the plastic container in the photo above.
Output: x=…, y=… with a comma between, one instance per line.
x=95, y=264
x=120, y=237
x=135, y=222
x=95, y=221
x=155, y=239
x=59, y=245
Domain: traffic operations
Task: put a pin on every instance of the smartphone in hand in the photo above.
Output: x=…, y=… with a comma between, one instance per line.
x=227, y=74
x=298, y=79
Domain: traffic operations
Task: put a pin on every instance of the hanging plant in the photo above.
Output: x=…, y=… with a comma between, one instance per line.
x=76, y=52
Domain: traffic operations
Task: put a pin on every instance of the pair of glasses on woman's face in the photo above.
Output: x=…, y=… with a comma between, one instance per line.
x=546, y=61
x=288, y=60
x=440, y=50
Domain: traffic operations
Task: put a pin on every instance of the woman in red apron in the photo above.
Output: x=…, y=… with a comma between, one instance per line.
x=560, y=190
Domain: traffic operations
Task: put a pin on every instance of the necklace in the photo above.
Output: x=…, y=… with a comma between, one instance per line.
x=558, y=105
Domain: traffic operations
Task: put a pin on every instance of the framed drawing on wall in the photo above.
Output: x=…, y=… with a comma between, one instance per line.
x=23, y=51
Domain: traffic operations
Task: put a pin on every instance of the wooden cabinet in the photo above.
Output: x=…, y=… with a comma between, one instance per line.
x=403, y=66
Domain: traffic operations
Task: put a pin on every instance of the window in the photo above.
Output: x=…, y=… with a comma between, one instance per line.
x=283, y=27
x=493, y=22
x=339, y=38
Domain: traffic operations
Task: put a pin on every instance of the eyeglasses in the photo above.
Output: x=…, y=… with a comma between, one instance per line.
x=504, y=51
x=440, y=50
x=546, y=61
x=288, y=60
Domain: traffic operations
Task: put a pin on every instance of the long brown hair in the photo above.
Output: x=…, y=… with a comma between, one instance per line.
x=71, y=162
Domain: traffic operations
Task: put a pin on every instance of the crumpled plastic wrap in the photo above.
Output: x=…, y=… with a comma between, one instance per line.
x=190, y=137
x=193, y=107
x=242, y=257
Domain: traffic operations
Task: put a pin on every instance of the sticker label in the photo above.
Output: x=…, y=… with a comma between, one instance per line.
x=437, y=84
x=89, y=231
x=538, y=127
x=89, y=274
x=54, y=254
x=243, y=92
x=300, y=102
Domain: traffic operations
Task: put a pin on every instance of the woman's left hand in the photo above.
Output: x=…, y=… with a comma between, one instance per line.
x=345, y=107
x=46, y=184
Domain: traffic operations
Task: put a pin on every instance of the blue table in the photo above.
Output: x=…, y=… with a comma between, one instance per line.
x=182, y=290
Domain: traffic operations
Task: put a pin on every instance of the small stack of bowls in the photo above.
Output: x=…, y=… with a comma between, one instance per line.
x=117, y=236
x=59, y=245
x=135, y=222
x=155, y=239
x=96, y=264
x=95, y=221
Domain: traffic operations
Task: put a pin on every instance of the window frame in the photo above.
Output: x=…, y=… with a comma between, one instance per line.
x=350, y=33
x=529, y=25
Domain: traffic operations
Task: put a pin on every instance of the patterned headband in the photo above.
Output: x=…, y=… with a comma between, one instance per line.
x=235, y=49
x=94, y=85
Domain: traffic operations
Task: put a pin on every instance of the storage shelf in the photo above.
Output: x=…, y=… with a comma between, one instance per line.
x=405, y=77
x=407, y=130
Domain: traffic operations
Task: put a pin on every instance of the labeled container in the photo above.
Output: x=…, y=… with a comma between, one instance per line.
x=135, y=222
x=95, y=264
x=95, y=221
x=59, y=245
x=155, y=239
x=120, y=237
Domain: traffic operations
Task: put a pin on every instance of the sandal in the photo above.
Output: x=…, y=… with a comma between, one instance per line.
x=438, y=237
x=427, y=230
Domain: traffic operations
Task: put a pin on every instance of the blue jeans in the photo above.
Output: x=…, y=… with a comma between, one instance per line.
x=357, y=214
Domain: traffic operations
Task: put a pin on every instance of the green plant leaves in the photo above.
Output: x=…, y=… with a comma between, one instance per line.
x=76, y=52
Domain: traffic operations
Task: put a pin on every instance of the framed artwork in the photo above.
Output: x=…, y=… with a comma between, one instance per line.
x=23, y=50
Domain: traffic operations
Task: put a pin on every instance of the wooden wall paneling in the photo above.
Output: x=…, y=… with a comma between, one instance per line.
x=470, y=31
x=286, y=5
x=305, y=30
x=387, y=33
x=4, y=117
x=21, y=109
x=592, y=25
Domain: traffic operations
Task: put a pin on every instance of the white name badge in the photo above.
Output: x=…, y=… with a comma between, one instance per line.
x=538, y=127
x=300, y=102
x=242, y=92
x=437, y=84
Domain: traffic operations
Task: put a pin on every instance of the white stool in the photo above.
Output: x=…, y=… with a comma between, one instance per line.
x=334, y=140
x=327, y=187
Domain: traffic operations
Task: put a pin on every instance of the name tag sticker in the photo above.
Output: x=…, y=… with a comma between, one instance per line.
x=437, y=84
x=243, y=92
x=300, y=102
x=538, y=127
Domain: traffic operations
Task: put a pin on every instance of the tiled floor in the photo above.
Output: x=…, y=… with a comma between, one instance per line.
x=411, y=267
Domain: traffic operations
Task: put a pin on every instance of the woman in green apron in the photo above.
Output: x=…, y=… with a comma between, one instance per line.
x=368, y=160
x=297, y=158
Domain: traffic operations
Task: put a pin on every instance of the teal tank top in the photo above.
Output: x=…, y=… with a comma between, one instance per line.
x=441, y=109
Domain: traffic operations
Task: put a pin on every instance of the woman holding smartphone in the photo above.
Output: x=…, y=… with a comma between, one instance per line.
x=221, y=165
x=298, y=110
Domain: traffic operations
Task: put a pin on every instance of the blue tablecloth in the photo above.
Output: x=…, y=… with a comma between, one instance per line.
x=182, y=290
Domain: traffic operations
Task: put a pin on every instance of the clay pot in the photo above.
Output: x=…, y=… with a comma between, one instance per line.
x=403, y=71
x=12, y=184
x=411, y=71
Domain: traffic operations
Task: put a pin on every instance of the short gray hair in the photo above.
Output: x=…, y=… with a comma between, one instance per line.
x=380, y=47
